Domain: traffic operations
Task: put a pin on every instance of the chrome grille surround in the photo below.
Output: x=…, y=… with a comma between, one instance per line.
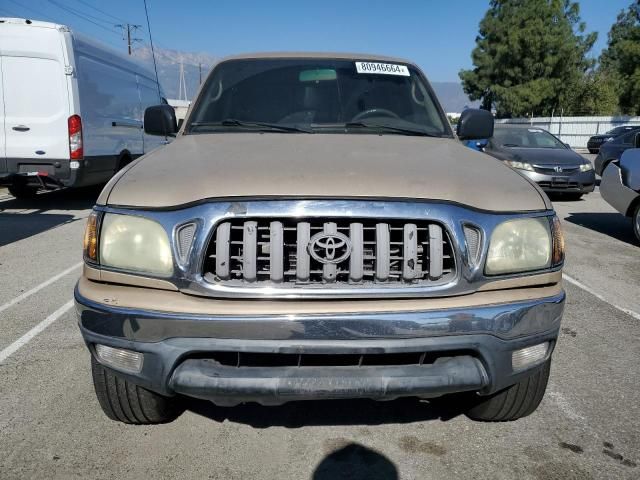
x=189, y=277
x=330, y=253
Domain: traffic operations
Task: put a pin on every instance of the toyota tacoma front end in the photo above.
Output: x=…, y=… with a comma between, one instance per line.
x=316, y=231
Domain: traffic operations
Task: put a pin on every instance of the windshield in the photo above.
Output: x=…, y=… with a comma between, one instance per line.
x=526, y=137
x=618, y=130
x=317, y=95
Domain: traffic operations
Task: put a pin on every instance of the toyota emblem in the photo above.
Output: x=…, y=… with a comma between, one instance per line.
x=329, y=247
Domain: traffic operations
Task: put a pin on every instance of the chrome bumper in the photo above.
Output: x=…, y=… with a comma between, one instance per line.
x=505, y=321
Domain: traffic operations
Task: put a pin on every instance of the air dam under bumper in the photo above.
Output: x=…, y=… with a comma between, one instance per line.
x=468, y=349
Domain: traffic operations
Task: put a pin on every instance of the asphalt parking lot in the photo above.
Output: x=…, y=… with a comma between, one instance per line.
x=51, y=426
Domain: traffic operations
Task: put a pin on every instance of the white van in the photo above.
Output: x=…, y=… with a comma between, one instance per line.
x=73, y=108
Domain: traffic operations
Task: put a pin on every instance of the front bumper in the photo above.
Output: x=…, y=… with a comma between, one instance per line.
x=470, y=348
x=578, y=182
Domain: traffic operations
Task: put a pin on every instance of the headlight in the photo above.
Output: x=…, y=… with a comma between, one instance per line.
x=134, y=243
x=520, y=245
x=585, y=167
x=519, y=165
x=610, y=139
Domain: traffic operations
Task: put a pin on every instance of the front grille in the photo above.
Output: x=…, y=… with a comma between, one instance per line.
x=559, y=185
x=335, y=251
x=257, y=360
x=551, y=169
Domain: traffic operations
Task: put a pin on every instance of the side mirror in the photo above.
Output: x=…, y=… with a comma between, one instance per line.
x=567, y=145
x=160, y=120
x=637, y=140
x=474, y=123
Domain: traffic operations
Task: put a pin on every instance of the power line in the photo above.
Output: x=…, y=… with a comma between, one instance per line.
x=29, y=9
x=102, y=11
x=79, y=15
x=153, y=54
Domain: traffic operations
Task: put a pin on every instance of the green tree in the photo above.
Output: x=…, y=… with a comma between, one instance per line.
x=593, y=94
x=621, y=59
x=528, y=55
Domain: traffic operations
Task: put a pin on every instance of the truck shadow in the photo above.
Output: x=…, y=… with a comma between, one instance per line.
x=329, y=412
x=24, y=218
x=65, y=199
x=355, y=462
x=612, y=224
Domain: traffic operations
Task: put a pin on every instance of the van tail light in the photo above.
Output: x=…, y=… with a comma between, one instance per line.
x=75, y=137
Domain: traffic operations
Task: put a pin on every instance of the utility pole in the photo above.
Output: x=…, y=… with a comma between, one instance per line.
x=129, y=28
x=182, y=84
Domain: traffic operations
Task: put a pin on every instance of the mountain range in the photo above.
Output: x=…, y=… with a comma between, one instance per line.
x=450, y=94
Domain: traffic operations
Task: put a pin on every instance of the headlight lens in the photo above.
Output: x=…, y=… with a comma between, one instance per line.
x=585, y=167
x=135, y=243
x=519, y=165
x=519, y=245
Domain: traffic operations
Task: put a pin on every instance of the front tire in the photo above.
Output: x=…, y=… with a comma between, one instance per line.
x=514, y=402
x=23, y=191
x=126, y=402
x=636, y=221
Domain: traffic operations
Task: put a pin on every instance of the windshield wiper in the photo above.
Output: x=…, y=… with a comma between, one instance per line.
x=389, y=128
x=262, y=126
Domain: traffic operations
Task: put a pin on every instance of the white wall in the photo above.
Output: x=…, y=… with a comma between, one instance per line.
x=575, y=130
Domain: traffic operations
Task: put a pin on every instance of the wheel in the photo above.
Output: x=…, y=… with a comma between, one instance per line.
x=514, y=402
x=126, y=402
x=23, y=191
x=636, y=222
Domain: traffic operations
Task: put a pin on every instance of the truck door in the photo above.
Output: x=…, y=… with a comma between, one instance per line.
x=36, y=110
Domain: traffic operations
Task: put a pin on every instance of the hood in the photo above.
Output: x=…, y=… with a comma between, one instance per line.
x=227, y=165
x=543, y=156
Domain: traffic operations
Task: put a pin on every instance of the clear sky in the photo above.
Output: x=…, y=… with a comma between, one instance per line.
x=437, y=34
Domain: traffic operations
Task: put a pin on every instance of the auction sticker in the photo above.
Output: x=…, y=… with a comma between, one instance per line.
x=382, y=68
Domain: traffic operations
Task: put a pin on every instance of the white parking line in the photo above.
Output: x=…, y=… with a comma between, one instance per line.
x=27, y=337
x=578, y=284
x=28, y=293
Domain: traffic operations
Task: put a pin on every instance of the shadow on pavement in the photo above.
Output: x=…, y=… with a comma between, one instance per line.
x=72, y=199
x=613, y=224
x=329, y=412
x=355, y=462
x=15, y=224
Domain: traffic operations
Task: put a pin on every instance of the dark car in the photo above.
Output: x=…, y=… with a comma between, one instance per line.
x=613, y=150
x=620, y=186
x=596, y=141
x=544, y=159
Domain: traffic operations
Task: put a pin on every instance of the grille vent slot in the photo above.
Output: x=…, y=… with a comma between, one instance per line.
x=474, y=244
x=184, y=238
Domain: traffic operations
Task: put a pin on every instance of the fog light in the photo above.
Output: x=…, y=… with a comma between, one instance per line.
x=529, y=356
x=119, y=358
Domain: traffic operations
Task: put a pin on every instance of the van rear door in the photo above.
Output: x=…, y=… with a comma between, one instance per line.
x=36, y=101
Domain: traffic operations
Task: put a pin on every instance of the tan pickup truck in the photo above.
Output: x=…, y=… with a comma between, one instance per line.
x=317, y=231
